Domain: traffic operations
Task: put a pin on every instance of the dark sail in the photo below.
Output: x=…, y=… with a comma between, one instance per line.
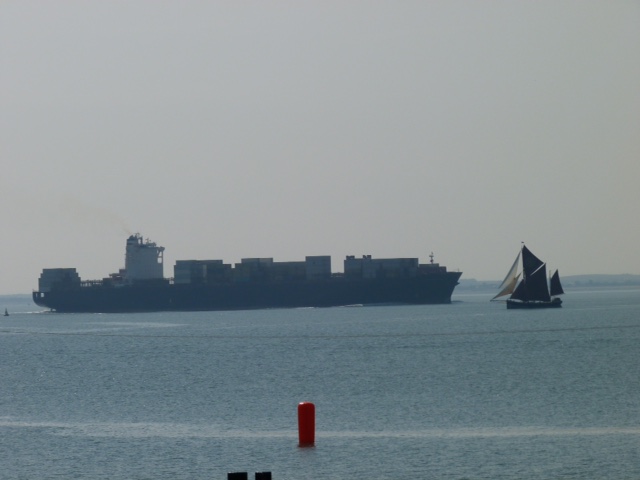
x=530, y=263
x=533, y=287
x=520, y=293
x=537, y=288
x=556, y=287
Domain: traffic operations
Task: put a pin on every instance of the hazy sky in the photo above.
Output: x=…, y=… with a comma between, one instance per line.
x=230, y=129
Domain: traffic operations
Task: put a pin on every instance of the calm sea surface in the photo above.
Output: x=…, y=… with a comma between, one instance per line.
x=461, y=391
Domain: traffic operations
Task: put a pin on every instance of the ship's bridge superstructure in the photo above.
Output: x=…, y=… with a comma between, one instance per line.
x=143, y=260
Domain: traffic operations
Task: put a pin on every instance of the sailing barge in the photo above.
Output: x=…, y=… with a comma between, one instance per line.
x=532, y=290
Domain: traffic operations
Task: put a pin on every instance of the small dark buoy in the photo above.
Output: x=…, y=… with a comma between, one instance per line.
x=306, y=424
x=263, y=475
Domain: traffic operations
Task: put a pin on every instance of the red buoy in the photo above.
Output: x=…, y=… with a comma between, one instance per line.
x=306, y=424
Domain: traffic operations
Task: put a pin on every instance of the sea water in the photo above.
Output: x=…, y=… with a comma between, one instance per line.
x=461, y=391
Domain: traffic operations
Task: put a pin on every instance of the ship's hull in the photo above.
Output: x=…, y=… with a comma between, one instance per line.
x=433, y=288
x=515, y=304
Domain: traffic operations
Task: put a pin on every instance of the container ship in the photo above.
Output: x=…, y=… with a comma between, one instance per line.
x=254, y=283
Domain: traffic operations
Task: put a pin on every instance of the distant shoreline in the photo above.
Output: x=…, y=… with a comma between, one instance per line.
x=571, y=281
x=473, y=285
